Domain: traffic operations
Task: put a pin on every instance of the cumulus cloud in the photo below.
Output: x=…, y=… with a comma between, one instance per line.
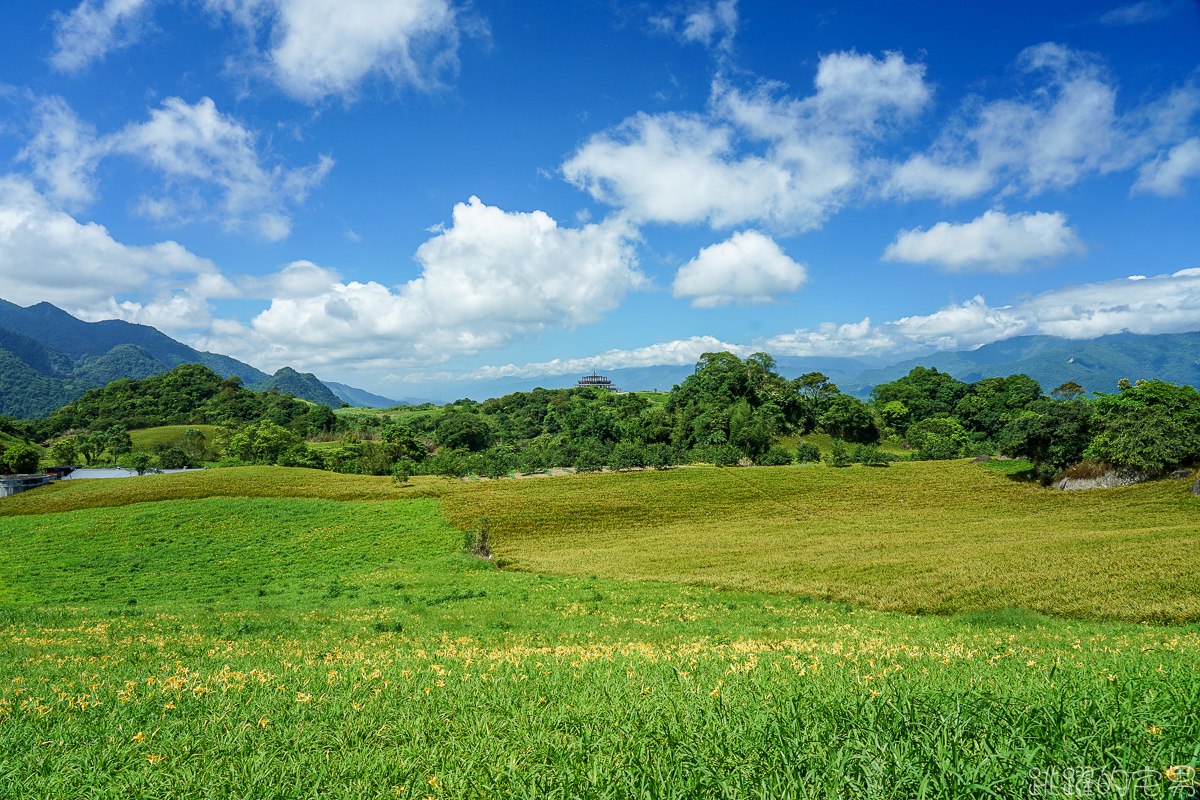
x=1064, y=130
x=323, y=48
x=748, y=267
x=91, y=31
x=46, y=255
x=1138, y=304
x=209, y=161
x=493, y=277
x=212, y=165
x=1166, y=174
x=993, y=242
x=783, y=162
x=712, y=24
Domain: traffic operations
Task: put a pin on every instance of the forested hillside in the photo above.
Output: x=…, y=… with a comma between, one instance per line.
x=49, y=358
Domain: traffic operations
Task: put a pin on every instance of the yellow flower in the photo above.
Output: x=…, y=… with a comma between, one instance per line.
x=154, y=758
x=433, y=781
x=262, y=722
x=1154, y=730
x=169, y=706
x=140, y=737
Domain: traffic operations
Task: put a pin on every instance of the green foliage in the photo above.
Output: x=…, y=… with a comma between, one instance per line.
x=660, y=456
x=262, y=443
x=923, y=392
x=871, y=456
x=190, y=394
x=939, y=438
x=1151, y=426
x=590, y=459
x=848, y=418
x=63, y=452
x=627, y=455
x=1051, y=434
x=776, y=456
x=807, y=453
x=138, y=461
x=20, y=459
x=463, y=431
x=117, y=441
x=838, y=455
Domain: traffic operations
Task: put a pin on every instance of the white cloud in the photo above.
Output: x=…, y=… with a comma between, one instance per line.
x=323, y=48
x=210, y=163
x=46, y=255
x=64, y=153
x=676, y=353
x=492, y=278
x=712, y=24
x=1066, y=128
x=993, y=242
x=1138, y=13
x=1166, y=174
x=781, y=162
x=197, y=146
x=746, y=268
x=90, y=32
x=1160, y=304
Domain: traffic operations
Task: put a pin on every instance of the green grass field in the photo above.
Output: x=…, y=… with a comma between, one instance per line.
x=147, y=438
x=270, y=633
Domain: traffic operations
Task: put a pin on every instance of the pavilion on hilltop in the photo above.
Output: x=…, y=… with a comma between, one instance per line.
x=594, y=380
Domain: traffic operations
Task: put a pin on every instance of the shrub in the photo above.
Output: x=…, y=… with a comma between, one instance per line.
x=660, y=456
x=172, y=458
x=589, y=460
x=21, y=459
x=725, y=455
x=776, y=456
x=807, y=453
x=628, y=455
x=871, y=456
x=477, y=538
x=838, y=455
x=402, y=470
x=137, y=460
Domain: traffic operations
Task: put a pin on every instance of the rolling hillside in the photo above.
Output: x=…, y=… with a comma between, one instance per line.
x=49, y=358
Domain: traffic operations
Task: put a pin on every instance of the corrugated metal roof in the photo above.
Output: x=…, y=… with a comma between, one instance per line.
x=117, y=473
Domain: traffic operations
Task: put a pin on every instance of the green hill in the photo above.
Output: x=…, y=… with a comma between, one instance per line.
x=303, y=385
x=49, y=358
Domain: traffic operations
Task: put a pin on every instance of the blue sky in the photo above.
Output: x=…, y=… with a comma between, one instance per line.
x=399, y=193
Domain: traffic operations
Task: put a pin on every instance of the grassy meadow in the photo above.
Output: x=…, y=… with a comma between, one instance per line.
x=269, y=632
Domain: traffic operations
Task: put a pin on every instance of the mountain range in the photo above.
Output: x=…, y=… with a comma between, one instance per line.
x=49, y=358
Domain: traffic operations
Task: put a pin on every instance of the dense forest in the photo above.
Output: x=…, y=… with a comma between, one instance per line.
x=729, y=411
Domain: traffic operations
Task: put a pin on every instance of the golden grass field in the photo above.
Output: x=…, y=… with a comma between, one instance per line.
x=920, y=537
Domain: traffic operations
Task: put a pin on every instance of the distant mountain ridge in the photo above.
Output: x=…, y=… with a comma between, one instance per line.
x=49, y=358
x=1095, y=364
x=361, y=397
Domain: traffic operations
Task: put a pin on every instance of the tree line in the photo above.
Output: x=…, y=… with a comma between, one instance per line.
x=729, y=411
